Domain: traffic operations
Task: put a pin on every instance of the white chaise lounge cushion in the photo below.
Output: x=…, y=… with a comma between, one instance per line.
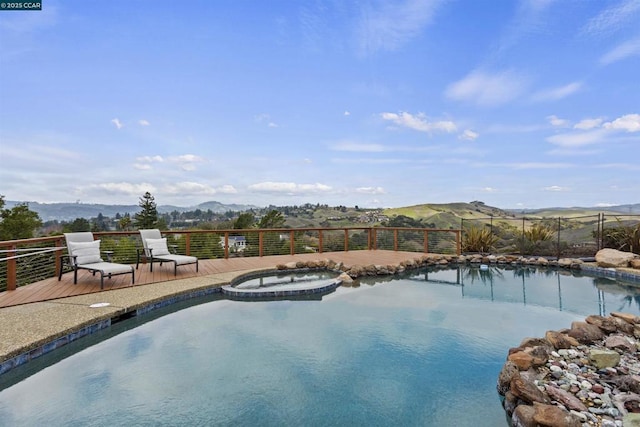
x=85, y=252
x=158, y=246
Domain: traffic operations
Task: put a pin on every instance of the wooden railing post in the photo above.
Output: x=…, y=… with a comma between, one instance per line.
x=187, y=244
x=260, y=243
x=426, y=241
x=395, y=239
x=346, y=240
x=12, y=270
x=226, y=245
x=459, y=242
x=59, y=244
x=292, y=247
x=320, y=241
x=375, y=238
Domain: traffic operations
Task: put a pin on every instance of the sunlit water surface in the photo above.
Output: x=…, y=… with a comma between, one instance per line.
x=424, y=350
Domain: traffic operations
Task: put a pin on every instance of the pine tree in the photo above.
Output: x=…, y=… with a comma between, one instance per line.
x=148, y=217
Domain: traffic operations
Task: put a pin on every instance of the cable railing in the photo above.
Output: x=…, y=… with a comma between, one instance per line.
x=27, y=261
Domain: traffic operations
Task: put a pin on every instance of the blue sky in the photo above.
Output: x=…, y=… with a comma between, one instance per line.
x=373, y=103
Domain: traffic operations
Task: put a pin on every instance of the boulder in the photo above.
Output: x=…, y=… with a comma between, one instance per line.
x=604, y=358
x=509, y=369
x=526, y=390
x=635, y=263
x=569, y=400
x=612, y=258
x=345, y=278
x=559, y=340
x=620, y=342
x=523, y=417
x=521, y=359
x=554, y=416
x=585, y=333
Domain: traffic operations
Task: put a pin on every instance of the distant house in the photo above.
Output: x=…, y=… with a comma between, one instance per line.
x=236, y=243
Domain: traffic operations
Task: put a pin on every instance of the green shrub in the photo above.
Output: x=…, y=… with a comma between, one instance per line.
x=478, y=240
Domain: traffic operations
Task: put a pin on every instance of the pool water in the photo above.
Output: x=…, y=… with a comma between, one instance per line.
x=422, y=350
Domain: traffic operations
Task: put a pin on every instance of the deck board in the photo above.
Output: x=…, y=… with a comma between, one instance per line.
x=51, y=288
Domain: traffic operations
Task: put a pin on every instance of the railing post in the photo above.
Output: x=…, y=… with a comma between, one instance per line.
x=459, y=242
x=187, y=244
x=426, y=241
x=260, y=243
x=319, y=241
x=395, y=239
x=292, y=247
x=58, y=256
x=12, y=270
x=226, y=245
x=375, y=238
x=559, y=224
x=346, y=240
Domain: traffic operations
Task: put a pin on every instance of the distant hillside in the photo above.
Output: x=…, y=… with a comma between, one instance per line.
x=71, y=211
x=449, y=215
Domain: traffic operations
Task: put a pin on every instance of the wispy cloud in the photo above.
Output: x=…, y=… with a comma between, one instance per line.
x=143, y=122
x=556, y=188
x=191, y=188
x=370, y=190
x=117, y=123
x=557, y=93
x=486, y=89
x=419, y=122
x=387, y=25
x=289, y=187
x=612, y=18
x=186, y=162
x=557, y=121
x=622, y=51
x=586, y=124
x=579, y=139
x=265, y=119
x=124, y=188
x=358, y=147
x=468, y=135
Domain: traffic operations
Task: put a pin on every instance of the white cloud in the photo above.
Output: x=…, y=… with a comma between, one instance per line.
x=419, y=122
x=142, y=166
x=358, y=147
x=486, y=89
x=289, y=187
x=125, y=188
x=468, y=135
x=150, y=159
x=272, y=125
x=227, y=189
x=613, y=18
x=556, y=188
x=557, y=93
x=577, y=139
x=558, y=122
x=117, y=123
x=629, y=123
x=346, y=113
x=393, y=23
x=622, y=51
x=370, y=190
x=587, y=124
x=143, y=122
x=189, y=188
x=539, y=165
x=186, y=162
x=488, y=190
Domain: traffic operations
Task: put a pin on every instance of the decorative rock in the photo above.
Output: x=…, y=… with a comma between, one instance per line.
x=627, y=317
x=559, y=340
x=634, y=263
x=521, y=359
x=509, y=369
x=523, y=416
x=620, y=342
x=604, y=358
x=526, y=390
x=585, y=333
x=607, y=258
x=345, y=278
x=566, y=398
x=553, y=416
x=631, y=420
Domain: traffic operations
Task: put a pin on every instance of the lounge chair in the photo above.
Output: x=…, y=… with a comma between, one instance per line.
x=155, y=249
x=84, y=254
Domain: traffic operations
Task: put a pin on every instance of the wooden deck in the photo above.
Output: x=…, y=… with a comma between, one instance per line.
x=87, y=283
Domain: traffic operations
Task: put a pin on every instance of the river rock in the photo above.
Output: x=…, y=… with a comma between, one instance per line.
x=635, y=263
x=521, y=359
x=345, y=278
x=613, y=258
x=620, y=342
x=627, y=317
x=523, y=417
x=509, y=369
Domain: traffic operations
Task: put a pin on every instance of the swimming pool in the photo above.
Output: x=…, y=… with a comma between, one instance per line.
x=424, y=349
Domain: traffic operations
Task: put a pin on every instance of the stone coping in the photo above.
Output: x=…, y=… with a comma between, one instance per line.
x=284, y=290
x=32, y=330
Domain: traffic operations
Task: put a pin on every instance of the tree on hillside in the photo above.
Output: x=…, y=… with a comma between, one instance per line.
x=148, y=216
x=244, y=221
x=124, y=223
x=18, y=222
x=273, y=219
x=78, y=224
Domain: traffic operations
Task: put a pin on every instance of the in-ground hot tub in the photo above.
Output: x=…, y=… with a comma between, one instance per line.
x=282, y=284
